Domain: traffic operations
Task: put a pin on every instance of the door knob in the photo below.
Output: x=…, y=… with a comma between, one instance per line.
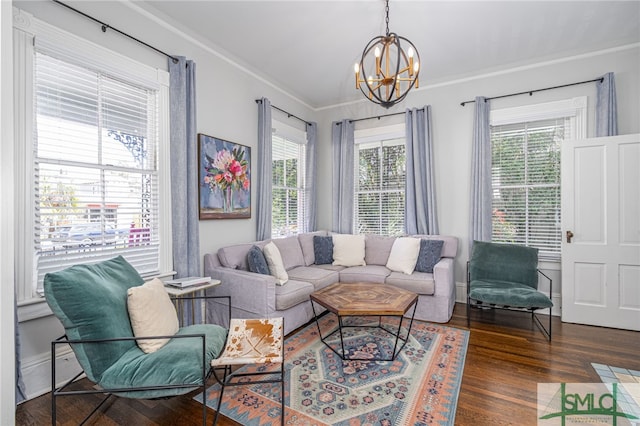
x=569, y=236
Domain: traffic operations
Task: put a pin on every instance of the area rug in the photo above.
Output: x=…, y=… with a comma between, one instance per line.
x=629, y=389
x=420, y=387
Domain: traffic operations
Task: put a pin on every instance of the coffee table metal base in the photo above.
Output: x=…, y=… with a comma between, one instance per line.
x=397, y=333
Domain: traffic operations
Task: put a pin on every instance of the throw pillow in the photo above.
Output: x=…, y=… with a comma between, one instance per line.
x=348, y=250
x=323, y=249
x=151, y=314
x=404, y=254
x=257, y=262
x=274, y=260
x=430, y=254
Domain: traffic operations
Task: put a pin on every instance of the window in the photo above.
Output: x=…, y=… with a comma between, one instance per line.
x=525, y=174
x=288, y=213
x=380, y=181
x=92, y=159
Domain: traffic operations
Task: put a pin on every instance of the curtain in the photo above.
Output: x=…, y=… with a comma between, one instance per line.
x=184, y=173
x=420, y=199
x=606, y=108
x=264, y=176
x=21, y=394
x=342, y=176
x=480, y=212
x=310, y=178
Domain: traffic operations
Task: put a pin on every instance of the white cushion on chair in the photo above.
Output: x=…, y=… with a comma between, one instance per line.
x=348, y=250
x=404, y=254
x=276, y=265
x=151, y=314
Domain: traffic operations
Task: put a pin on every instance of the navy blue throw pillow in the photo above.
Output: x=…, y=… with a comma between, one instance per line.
x=430, y=254
x=323, y=249
x=257, y=261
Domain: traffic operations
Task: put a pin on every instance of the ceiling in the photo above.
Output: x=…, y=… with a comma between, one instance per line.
x=308, y=48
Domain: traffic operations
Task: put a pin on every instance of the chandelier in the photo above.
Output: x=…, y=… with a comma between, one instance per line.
x=386, y=73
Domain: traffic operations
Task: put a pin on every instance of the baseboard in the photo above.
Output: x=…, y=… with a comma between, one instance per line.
x=36, y=371
x=556, y=298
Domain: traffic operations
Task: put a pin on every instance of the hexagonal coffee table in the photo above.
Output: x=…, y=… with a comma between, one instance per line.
x=365, y=300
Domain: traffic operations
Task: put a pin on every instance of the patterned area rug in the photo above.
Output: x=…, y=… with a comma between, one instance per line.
x=420, y=387
x=629, y=396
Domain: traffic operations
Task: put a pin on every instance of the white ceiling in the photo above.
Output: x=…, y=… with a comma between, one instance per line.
x=308, y=48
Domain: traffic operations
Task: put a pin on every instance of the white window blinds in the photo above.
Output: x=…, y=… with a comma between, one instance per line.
x=526, y=184
x=380, y=187
x=95, y=168
x=289, y=187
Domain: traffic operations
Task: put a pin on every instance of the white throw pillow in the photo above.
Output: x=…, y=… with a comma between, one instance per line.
x=151, y=314
x=404, y=255
x=348, y=250
x=276, y=265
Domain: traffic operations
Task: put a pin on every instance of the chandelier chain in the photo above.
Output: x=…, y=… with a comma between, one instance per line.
x=387, y=18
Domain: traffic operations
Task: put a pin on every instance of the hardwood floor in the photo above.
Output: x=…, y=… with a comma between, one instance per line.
x=506, y=358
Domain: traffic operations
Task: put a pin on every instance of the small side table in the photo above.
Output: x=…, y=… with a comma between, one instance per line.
x=181, y=295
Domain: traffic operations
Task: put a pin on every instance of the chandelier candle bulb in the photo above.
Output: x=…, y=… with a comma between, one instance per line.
x=377, y=54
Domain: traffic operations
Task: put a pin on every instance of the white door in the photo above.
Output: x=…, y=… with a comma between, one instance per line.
x=601, y=210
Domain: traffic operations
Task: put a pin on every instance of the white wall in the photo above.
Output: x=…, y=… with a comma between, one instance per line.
x=226, y=109
x=7, y=333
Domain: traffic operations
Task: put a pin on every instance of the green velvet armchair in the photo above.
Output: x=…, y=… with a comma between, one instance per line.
x=91, y=303
x=505, y=276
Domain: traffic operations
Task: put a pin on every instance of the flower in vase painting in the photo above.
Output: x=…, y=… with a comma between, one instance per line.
x=227, y=170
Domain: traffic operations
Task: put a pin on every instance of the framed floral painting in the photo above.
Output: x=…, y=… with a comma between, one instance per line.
x=224, y=179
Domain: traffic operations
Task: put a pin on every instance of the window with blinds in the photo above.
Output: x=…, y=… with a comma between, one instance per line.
x=380, y=187
x=525, y=177
x=95, y=169
x=289, y=187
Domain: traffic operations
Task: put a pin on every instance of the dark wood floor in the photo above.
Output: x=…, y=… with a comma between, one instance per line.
x=506, y=358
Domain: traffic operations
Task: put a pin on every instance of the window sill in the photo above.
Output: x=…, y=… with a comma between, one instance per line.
x=550, y=265
x=33, y=309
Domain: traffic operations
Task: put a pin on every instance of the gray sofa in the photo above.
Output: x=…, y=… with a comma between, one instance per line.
x=255, y=295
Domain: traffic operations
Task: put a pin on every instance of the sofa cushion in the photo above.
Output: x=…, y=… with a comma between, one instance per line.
x=320, y=278
x=323, y=249
x=135, y=368
x=364, y=274
x=404, y=254
x=377, y=249
x=418, y=282
x=91, y=302
x=290, y=251
x=235, y=256
x=257, y=262
x=306, y=243
x=330, y=267
x=151, y=314
x=430, y=254
x=293, y=293
x=348, y=250
x=276, y=265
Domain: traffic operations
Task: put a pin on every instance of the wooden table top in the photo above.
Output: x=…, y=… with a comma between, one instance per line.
x=346, y=299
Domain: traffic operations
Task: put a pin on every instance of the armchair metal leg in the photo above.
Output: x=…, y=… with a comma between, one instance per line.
x=545, y=331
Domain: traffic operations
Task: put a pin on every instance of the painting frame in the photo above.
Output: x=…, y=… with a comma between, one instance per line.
x=224, y=179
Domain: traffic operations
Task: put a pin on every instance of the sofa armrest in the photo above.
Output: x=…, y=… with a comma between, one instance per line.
x=249, y=291
x=443, y=277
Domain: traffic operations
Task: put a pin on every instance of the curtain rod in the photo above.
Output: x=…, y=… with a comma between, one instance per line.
x=379, y=116
x=531, y=92
x=106, y=26
x=289, y=115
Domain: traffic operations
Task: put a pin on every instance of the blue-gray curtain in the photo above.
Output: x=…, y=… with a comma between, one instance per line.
x=184, y=173
x=264, y=176
x=606, y=107
x=311, y=178
x=480, y=203
x=420, y=215
x=342, y=183
x=21, y=394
